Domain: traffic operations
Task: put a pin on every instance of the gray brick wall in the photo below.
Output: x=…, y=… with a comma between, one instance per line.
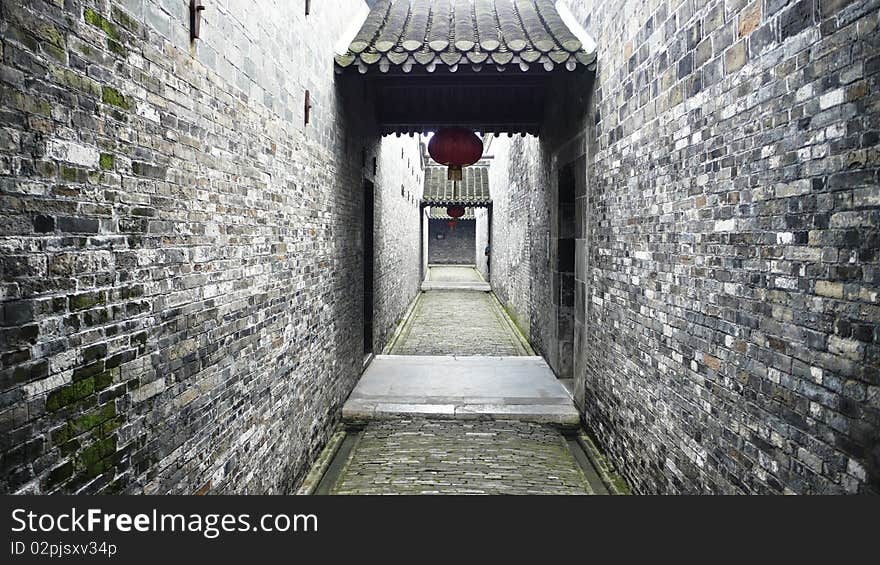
x=399, y=182
x=728, y=270
x=481, y=228
x=451, y=246
x=180, y=254
x=511, y=234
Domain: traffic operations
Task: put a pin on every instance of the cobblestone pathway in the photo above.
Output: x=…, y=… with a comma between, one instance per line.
x=453, y=322
x=420, y=456
x=417, y=455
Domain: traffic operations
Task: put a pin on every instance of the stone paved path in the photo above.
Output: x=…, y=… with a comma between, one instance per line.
x=453, y=274
x=453, y=322
x=420, y=456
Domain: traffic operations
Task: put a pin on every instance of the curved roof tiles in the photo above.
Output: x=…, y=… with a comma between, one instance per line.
x=525, y=34
x=472, y=190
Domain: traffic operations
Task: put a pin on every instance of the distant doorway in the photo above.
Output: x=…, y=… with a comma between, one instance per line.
x=368, y=266
x=564, y=272
x=452, y=242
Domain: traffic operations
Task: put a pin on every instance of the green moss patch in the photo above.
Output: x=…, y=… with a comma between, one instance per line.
x=112, y=96
x=49, y=33
x=70, y=393
x=94, y=18
x=103, y=380
x=83, y=423
x=107, y=160
x=93, y=458
x=116, y=47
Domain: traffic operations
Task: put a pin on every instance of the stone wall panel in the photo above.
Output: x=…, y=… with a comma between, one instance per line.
x=181, y=254
x=729, y=282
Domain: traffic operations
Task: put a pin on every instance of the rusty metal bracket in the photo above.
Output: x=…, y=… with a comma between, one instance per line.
x=195, y=18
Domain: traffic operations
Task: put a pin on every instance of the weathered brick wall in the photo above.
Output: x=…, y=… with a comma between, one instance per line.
x=180, y=255
x=482, y=240
x=510, y=230
x=523, y=197
x=455, y=245
x=424, y=240
x=535, y=172
x=399, y=182
x=730, y=283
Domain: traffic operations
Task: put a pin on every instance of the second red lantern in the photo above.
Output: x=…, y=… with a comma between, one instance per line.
x=456, y=148
x=455, y=211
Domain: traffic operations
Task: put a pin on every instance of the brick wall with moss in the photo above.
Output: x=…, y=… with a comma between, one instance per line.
x=180, y=254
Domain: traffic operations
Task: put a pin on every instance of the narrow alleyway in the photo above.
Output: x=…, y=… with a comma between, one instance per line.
x=482, y=422
x=214, y=238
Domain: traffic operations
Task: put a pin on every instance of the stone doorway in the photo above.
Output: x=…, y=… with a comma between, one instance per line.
x=452, y=242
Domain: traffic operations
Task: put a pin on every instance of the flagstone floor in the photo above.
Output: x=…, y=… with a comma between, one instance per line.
x=460, y=406
x=421, y=456
x=457, y=322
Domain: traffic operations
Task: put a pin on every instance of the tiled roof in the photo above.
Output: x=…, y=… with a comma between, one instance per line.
x=439, y=213
x=473, y=189
x=451, y=33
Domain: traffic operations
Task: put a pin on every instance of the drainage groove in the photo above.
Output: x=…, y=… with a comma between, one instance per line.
x=337, y=464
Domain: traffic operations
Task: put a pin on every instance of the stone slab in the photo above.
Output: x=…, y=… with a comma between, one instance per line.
x=456, y=285
x=519, y=388
x=456, y=273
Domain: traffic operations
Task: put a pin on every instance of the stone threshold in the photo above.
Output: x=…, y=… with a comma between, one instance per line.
x=516, y=388
x=360, y=412
x=480, y=285
x=456, y=285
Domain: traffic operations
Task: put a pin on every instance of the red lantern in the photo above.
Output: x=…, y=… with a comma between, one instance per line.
x=455, y=148
x=455, y=211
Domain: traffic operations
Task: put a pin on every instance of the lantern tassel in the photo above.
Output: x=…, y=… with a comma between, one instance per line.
x=453, y=173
